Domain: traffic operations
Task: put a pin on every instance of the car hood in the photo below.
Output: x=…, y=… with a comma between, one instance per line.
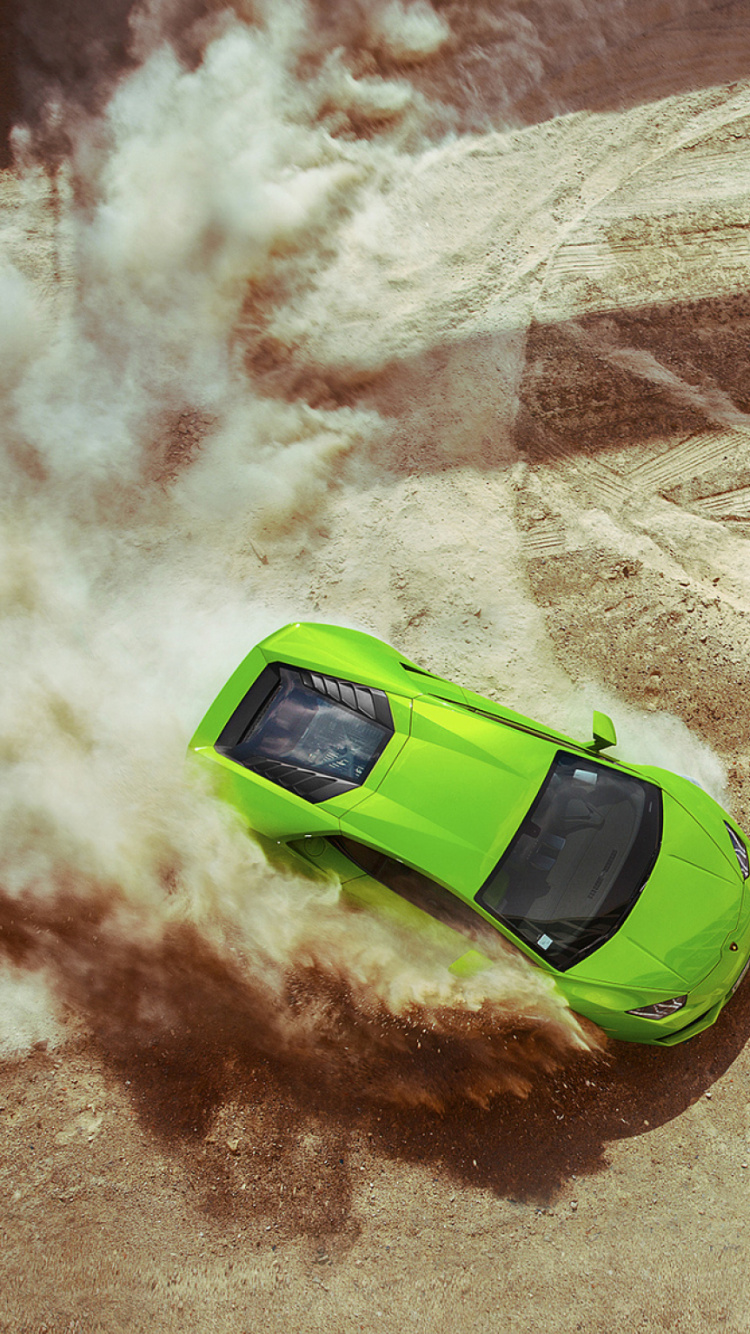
x=685, y=916
x=454, y=795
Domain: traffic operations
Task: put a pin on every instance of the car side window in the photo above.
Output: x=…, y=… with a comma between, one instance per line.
x=421, y=891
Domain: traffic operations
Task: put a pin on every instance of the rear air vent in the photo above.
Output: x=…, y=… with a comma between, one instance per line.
x=362, y=699
x=419, y=671
x=307, y=783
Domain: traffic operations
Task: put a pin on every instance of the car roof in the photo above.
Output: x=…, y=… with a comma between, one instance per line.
x=455, y=793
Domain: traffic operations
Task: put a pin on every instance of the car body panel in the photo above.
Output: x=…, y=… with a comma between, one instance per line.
x=276, y=812
x=701, y=806
x=702, y=1009
x=458, y=954
x=519, y=721
x=348, y=654
x=691, y=884
x=446, y=796
x=453, y=796
x=449, y=945
x=227, y=699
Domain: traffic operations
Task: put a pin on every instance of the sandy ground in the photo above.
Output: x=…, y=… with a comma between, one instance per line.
x=549, y=311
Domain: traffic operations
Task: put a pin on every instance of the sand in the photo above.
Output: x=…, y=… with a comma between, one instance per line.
x=474, y=379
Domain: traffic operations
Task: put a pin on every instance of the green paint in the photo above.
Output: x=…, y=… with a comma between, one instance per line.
x=446, y=798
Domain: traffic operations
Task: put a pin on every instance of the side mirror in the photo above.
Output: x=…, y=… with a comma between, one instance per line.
x=604, y=732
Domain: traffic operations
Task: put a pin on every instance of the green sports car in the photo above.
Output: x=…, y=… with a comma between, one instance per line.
x=625, y=882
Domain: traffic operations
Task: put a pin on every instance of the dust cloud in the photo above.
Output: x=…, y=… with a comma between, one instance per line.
x=169, y=284
x=431, y=319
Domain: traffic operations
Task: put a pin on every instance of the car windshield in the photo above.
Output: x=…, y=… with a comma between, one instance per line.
x=302, y=727
x=578, y=862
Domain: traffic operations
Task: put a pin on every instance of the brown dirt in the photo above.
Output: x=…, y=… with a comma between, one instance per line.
x=559, y=511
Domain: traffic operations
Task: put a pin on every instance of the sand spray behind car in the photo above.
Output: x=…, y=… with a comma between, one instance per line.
x=150, y=913
x=173, y=417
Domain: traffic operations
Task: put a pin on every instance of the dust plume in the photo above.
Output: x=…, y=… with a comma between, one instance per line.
x=245, y=304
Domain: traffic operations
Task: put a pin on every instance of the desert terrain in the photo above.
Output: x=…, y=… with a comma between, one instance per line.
x=431, y=320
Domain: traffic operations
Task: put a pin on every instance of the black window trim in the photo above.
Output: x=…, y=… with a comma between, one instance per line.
x=586, y=950
x=310, y=784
